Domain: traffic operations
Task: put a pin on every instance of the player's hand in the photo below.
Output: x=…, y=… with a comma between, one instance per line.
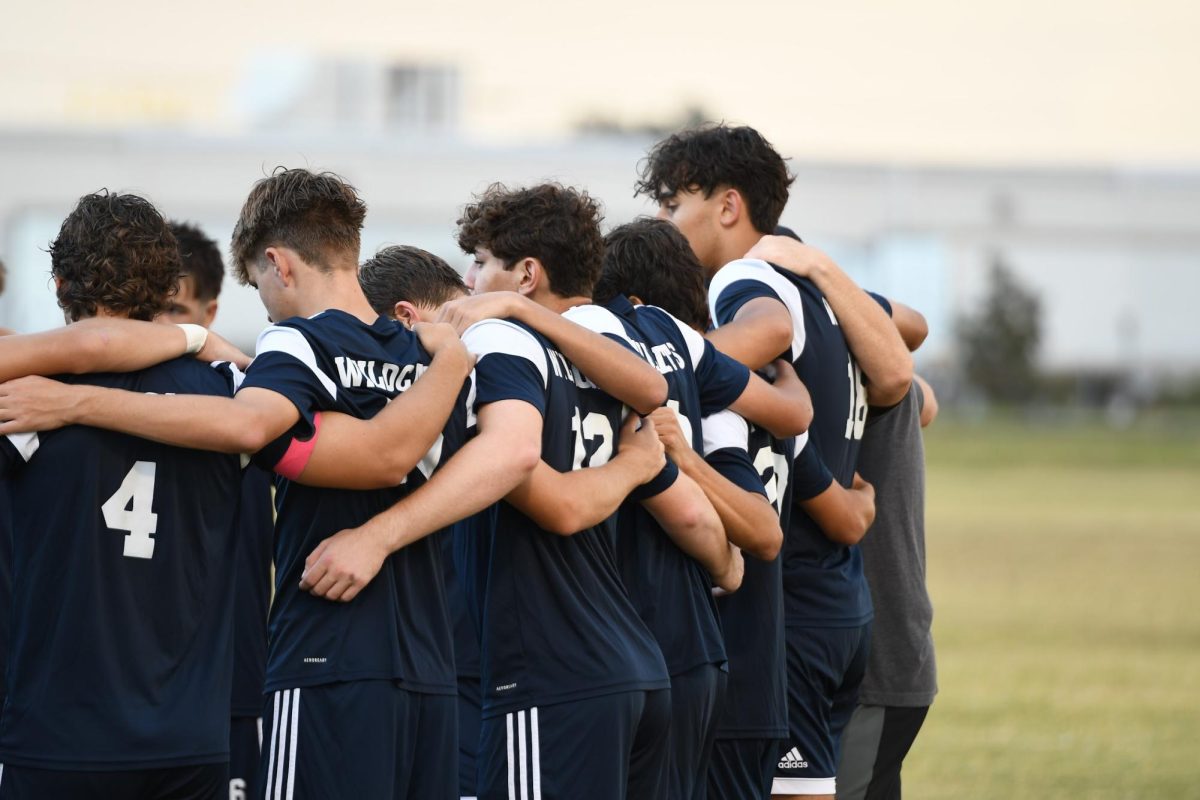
x=37, y=404
x=864, y=494
x=342, y=565
x=796, y=257
x=666, y=421
x=731, y=579
x=643, y=445
x=440, y=339
x=217, y=349
x=466, y=311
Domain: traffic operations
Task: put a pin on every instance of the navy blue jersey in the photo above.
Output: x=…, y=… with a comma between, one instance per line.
x=398, y=627
x=252, y=592
x=466, y=631
x=556, y=623
x=5, y=580
x=755, y=703
x=672, y=592
x=823, y=581
x=121, y=641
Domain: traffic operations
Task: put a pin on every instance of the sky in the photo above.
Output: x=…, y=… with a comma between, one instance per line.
x=1018, y=82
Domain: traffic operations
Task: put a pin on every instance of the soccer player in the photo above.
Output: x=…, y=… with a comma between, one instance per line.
x=195, y=303
x=652, y=261
x=725, y=187
x=376, y=676
x=122, y=597
x=901, y=675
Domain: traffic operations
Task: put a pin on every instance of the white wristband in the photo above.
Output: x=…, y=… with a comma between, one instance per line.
x=196, y=335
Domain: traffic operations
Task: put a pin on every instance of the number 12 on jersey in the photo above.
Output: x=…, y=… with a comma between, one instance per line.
x=129, y=510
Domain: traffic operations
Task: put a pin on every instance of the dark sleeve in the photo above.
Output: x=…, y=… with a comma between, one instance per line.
x=499, y=376
x=656, y=486
x=810, y=476
x=734, y=465
x=287, y=365
x=737, y=294
x=15, y=450
x=721, y=379
x=883, y=302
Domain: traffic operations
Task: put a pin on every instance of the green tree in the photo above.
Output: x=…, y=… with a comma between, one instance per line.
x=999, y=342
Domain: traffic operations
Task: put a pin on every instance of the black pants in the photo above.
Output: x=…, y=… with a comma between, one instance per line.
x=203, y=782
x=873, y=750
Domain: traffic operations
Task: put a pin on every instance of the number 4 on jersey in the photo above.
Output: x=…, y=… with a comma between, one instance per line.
x=129, y=510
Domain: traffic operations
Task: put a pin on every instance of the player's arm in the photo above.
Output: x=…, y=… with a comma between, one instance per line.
x=758, y=333
x=616, y=370
x=568, y=502
x=105, y=344
x=929, y=403
x=688, y=517
x=242, y=424
x=488, y=467
x=870, y=333
x=396, y=438
x=844, y=515
x=748, y=519
x=783, y=408
x=911, y=324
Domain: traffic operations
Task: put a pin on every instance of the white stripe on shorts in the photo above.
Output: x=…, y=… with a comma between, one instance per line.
x=274, y=738
x=524, y=756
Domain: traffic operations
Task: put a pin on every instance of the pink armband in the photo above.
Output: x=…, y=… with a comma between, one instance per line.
x=298, y=453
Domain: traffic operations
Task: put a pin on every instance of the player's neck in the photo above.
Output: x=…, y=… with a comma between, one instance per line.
x=558, y=304
x=342, y=292
x=735, y=244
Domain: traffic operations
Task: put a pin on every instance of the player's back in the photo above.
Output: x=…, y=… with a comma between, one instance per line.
x=822, y=579
x=557, y=623
x=671, y=591
x=122, y=592
x=398, y=627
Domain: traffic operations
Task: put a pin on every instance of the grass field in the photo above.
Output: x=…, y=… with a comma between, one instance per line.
x=1064, y=564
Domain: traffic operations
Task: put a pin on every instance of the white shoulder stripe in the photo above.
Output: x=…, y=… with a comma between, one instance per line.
x=753, y=269
x=599, y=319
x=724, y=429
x=26, y=443
x=282, y=339
x=490, y=336
x=695, y=342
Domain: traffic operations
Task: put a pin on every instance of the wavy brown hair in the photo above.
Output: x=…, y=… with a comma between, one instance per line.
x=116, y=252
x=555, y=224
x=317, y=214
x=651, y=259
x=713, y=156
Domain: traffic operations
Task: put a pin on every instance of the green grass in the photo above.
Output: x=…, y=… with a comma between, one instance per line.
x=1064, y=564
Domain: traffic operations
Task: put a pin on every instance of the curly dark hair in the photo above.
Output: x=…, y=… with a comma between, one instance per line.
x=201, y=260
x=651, y=259
x=557, y=225
x=401, y=272
x=116, y=252
x=714, y=156
x=317, y=214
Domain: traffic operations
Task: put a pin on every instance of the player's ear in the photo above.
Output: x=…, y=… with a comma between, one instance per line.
x=210, y=313
x=530, y=275
x=637, y=301
x=406, y=314
x=732, y=208
x=279, y=261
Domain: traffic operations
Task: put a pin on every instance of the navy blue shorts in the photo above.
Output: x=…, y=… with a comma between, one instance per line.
x=358, y=740
x=245, y=746
x=696, y=700
x=742, y=769
x=825, y=667
x=610, y=747
x=469, y=699
x=202, y=782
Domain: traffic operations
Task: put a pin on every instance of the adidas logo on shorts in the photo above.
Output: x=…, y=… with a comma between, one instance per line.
x=793, y=760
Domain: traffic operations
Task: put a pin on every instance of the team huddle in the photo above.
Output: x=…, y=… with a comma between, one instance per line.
x=588, y=522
